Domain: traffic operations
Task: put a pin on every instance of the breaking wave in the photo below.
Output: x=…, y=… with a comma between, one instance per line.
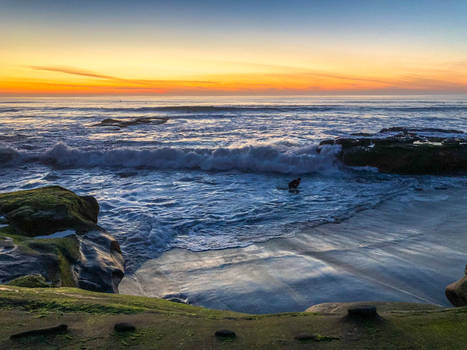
x=267, y=158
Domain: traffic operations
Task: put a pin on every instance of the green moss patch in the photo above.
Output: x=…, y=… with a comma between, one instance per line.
x=46, y=210
x=30, y=281
x=161, y=324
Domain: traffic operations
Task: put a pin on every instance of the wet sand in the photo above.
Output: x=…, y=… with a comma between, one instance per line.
x=406, y=249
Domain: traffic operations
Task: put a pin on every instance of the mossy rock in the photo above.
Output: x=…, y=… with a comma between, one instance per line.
x=406, y=152
x=408, y=158
x=30, y=281
x=90, y=258
x=46, y=210
x=51, y=259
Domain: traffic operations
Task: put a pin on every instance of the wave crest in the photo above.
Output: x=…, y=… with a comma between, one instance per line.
x=260, y=158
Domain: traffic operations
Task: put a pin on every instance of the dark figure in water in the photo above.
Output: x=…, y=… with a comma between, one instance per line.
x=293, y=185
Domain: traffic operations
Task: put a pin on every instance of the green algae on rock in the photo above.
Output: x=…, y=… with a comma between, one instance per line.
x=30, y=281
x=80, y=254
x=46, y=210
x=406, y=152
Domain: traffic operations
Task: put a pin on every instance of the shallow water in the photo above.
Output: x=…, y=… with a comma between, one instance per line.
x=211, y=177
x=406, y=249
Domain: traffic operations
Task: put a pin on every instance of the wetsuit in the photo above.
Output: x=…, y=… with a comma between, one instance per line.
x=294, y=184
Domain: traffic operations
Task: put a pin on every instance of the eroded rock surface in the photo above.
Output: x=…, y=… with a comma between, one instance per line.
x=53, y=233
x=406, y=150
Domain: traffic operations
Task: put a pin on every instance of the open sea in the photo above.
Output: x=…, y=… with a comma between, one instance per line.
x=213, y=175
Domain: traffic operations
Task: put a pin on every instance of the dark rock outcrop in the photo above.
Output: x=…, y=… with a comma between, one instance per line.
x=53, y=233
x=406, y=151
x=362, y=313
x=456, y=292
x=225, y=333
x=124, y=327
x=123, y=123
x=100, y=267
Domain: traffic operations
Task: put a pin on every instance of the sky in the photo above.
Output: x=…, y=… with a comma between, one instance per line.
x=255, y=47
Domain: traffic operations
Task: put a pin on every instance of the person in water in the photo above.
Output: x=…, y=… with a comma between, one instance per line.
x=293, y=185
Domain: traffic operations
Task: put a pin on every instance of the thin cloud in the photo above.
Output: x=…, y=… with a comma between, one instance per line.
x=74, y=71
x=90, y=74
x=286, y=79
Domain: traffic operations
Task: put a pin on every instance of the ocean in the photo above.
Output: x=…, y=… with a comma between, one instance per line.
x=212, y=176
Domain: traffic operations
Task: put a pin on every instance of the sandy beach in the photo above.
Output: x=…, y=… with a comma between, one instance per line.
x=406, y=249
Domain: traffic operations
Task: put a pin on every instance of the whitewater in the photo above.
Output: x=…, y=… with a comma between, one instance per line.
x=212, y=176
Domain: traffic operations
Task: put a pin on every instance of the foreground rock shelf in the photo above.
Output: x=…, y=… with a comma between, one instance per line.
x=90, y=319
x=406, y=151
x=49, y=236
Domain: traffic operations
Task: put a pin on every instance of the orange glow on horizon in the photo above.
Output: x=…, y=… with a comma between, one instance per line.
x=346, y=76
x=258, y=83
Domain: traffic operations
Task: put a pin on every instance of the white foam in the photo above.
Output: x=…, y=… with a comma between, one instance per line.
x=267, y=158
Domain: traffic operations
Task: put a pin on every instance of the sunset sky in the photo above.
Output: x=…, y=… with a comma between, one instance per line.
x=89, y=47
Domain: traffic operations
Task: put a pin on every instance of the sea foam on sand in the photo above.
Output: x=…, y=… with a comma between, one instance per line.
x=407, y=249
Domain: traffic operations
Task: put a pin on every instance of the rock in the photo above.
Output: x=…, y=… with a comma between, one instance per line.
x=86, y=256
x=362, y=313
x=407, y=130
x=101, y=267
x=456, y=292
x=124, y=327
x=225, y=333
x=406, y=152
x=30, y=281
x=125, y=123
x=313, y=337
x=52, y=260
x=60, y=329
x=341, y=309
x=304, y=337
x=47, y=210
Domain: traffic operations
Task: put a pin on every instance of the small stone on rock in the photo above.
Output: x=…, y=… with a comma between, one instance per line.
x=314, y=337
x=304, y=336
x=124, y=327
x=225, y=333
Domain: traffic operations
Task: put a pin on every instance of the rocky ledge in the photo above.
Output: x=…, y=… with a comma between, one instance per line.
x=123, y=123
x=49, y=236
x=406, y=150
